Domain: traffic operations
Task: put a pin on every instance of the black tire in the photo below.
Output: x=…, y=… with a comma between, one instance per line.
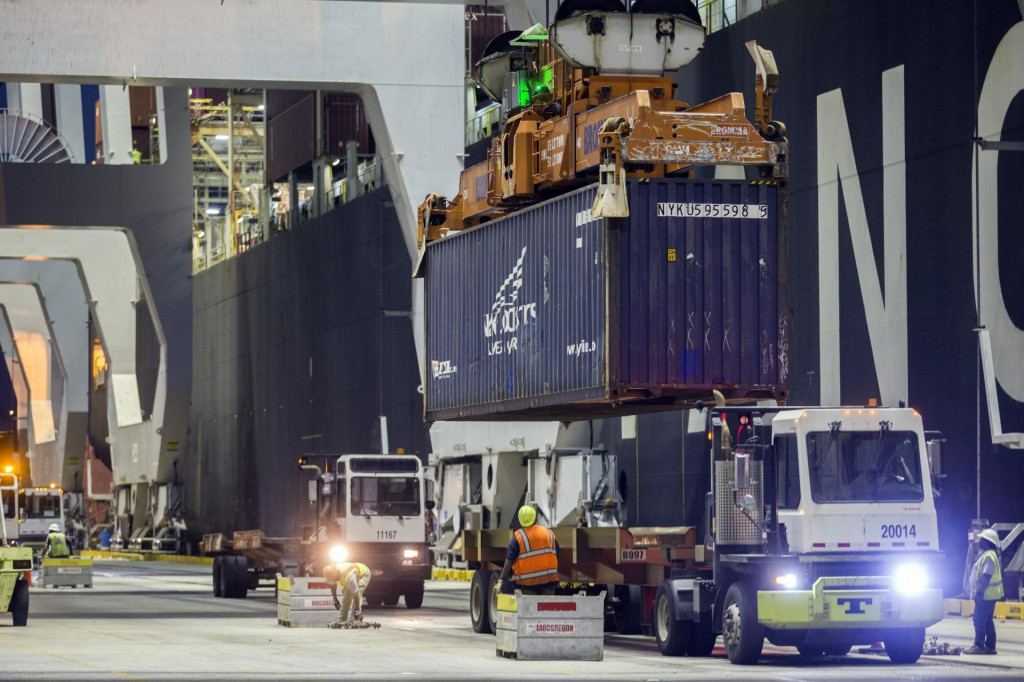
x=628, y=609
x=391, y=598
x=672, y=635
x=227, y=577
x=19, y=604
x=905, y=646
x=837, y=649
x=480, y=602
x=742, y=634
x=702, y=638
x=375, y=600
x=493, y=588
x=218, y=580
x=811, y=650
x=241, y=577
x=414, y=595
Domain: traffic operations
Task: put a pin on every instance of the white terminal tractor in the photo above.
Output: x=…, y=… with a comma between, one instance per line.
x=822, y=535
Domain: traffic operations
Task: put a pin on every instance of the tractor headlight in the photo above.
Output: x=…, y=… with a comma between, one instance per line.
x=787, y=581
x=410, y=554
x=910, y=579
x=338, y=553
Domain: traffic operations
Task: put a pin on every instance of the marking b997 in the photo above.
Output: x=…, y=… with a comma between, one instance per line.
x=632, y=555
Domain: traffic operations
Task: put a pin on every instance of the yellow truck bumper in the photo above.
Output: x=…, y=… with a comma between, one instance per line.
x=834, y=603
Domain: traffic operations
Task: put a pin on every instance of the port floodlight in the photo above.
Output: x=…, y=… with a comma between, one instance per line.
x=527, y=516
x=338, y=553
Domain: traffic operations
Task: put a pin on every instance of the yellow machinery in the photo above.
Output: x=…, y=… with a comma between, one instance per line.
x=592, y=99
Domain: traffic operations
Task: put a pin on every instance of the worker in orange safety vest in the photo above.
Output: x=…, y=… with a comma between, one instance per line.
x=532, y=557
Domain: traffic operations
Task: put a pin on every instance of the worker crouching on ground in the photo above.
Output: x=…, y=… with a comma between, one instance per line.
x=532, y=557
x=353, y=578
x=56, y=545
x=986, y=587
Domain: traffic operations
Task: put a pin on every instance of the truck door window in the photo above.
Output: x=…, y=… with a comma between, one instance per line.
x=385, y=496
x=341, y=507
x=42, y=506
x=865, y=466
x=789, y=471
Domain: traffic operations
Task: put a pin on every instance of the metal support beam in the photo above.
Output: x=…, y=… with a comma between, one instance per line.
x=47, y=379
x=66, y=309
x=111, y=271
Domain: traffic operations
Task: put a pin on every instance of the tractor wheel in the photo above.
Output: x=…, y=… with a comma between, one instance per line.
x=743, y=635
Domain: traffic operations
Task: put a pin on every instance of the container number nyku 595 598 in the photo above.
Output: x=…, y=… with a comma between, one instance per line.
x=700, y=210
x=632, y=555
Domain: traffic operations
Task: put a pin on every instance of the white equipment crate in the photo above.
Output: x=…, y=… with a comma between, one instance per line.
x=70, y=572
x=542, y=628
x=304, y=603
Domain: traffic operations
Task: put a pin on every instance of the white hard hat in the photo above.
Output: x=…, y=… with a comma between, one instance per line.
x=54, y=528
x=991, y=536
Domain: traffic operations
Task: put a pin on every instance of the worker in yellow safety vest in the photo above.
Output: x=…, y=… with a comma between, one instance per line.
x=56, y=545
x=532, y=557
x=986, y=586
x=353, y=578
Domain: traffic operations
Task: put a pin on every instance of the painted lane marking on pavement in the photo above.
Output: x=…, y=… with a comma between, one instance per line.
x=76, y=661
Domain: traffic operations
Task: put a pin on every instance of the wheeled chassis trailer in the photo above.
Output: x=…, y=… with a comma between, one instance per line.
x=629, y=561
x=248, y=559
x=251, y=558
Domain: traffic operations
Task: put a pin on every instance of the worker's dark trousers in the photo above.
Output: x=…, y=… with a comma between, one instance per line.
x=546, y=588
x=984, y=627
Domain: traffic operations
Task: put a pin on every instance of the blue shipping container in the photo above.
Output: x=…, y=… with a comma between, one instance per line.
x=550, y=313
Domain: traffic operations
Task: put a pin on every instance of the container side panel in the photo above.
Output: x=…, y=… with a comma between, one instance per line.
x=522, y=323
x=522, y=308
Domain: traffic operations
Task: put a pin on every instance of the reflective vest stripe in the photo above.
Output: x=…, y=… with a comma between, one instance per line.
x=536, y=552
x=994, y=591
x=537, y=563
x=353, y=567
x=537, y=574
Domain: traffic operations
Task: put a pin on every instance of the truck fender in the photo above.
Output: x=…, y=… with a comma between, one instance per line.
x=686, y=601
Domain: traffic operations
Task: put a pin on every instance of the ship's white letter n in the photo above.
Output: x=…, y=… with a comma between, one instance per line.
x=886, y=312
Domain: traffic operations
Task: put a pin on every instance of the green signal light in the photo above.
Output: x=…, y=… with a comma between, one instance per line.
x=524, y=93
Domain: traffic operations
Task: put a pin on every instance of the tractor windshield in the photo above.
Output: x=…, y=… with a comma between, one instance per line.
x=385, y=496
x=865, y=466
x=42, y=506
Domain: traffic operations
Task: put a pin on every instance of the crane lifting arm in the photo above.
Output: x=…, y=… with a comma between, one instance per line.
x=714, y=133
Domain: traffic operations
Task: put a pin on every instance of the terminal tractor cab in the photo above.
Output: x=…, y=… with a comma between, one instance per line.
x=822, y=529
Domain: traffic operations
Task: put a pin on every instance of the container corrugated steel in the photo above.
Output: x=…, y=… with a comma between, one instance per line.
x=290, y=139
x=279, y=101
x=552, y=314
x=483, y=25
x=344, y=120
x=142, y=105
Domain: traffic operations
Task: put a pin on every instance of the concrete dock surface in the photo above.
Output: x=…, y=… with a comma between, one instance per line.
x=157, y=621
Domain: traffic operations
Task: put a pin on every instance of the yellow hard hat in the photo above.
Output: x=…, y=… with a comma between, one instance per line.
x=527, y=516
x=331, y=573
